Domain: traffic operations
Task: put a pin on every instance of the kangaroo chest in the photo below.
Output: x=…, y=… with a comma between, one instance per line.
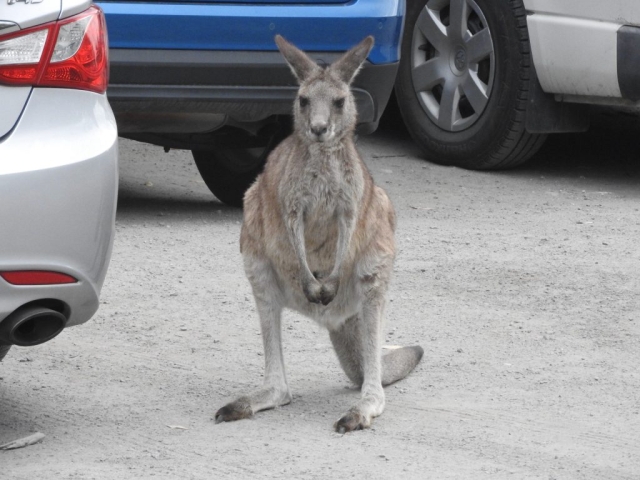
x=328, y=183
x=325, y=195
x=321, y=195
x=321, y=185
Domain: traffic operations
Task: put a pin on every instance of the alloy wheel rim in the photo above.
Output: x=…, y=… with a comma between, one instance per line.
x=452, y=63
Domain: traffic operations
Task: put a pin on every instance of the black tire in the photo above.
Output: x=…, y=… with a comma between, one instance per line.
x=229, y=172
x=4, y=349
x=226, y=182
x=492, y=136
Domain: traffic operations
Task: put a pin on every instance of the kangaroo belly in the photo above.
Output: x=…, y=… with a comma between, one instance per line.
x=346, y=304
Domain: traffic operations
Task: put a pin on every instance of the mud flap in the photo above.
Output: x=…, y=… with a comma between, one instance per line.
x=546, y=115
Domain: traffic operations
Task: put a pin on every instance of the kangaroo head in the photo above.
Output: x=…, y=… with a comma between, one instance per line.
x=324, y=110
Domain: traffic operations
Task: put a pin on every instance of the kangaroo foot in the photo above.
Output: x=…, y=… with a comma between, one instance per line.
x=353, y=420
x=236, y=410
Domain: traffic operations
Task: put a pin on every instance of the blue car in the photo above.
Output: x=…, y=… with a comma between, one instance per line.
x=206, y=75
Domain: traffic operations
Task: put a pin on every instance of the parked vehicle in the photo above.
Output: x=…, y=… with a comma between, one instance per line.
x=206, y=75
x=58, y=168
x=481, y=82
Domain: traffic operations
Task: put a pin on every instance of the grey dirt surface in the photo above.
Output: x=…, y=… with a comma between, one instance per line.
x=522, y=287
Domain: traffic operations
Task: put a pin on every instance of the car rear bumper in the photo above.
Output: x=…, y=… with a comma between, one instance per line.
x=246, y=86
x=58, y=190
x=181, y=67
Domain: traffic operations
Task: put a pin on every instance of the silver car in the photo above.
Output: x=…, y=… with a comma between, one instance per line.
x=58, y=167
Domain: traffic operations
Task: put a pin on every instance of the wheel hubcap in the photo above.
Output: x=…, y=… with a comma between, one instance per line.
x=459, y=61
x=452, y=61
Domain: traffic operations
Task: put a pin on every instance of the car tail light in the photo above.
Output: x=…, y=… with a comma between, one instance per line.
x=36, y=277
x=70, y=53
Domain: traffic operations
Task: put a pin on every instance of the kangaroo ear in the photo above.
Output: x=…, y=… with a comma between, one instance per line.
x=349, y=64
x=301, y=65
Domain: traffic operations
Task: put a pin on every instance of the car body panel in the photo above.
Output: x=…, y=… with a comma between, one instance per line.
x=72, y=7
x=195, y=67
x=30, y=14
x=575, y=56
x=58, y=190
x=574, y=45
x=329, y=28
x=625, y=12
x=255, y=2
x=8, y=27
x=72, y=138
x=25, y=15
x=246, y=86
x=13, y=100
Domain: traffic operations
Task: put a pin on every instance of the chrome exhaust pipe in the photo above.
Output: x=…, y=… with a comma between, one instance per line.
x=31, y=325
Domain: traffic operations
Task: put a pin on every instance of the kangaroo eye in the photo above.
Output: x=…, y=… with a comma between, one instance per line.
x=304, y=101
x=339, y=103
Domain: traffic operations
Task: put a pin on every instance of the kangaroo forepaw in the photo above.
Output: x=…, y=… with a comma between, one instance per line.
x=329, y=290
x=236, y=410
x=317, y=292
x=312, y=290
x=324, y=293
x=353, y=420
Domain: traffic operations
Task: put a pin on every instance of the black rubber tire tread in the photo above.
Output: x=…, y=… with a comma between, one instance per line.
x=4, y=349
x=227, y=175
x=227, y=185
x=492, y=143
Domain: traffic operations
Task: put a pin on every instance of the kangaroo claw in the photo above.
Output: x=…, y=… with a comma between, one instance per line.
x=353, y=420
x=236, y=410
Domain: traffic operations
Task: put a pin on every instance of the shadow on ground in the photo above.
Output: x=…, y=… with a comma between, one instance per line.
x=130, y=203
x=609, y=151
x=607, y=154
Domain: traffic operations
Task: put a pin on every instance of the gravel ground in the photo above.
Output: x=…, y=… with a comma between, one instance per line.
x=521, y=286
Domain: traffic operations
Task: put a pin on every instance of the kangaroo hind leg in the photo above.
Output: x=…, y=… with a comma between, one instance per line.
x=275, y=390
x=350, y=345
x=396, y=364
x=346, y=343
x=357, y=344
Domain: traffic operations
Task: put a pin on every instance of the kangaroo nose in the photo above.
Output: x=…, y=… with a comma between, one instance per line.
x=319, y=129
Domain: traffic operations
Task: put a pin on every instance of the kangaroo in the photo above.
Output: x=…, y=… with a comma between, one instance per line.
x=318, y=237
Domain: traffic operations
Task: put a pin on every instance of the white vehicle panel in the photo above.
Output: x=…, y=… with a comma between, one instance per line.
x=574, y=44
x=622, y=12
x=575, y=56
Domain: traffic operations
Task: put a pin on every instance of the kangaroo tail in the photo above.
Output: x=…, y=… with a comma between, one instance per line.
x=398, y=363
